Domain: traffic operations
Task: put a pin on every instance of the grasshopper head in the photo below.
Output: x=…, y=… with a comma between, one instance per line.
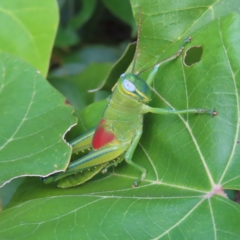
x=134, y=87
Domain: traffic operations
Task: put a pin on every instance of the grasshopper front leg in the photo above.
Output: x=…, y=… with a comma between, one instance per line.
x=128, y=158
x=146, y=109
x=174, y=56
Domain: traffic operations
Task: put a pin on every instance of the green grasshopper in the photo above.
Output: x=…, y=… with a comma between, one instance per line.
x=118, y=132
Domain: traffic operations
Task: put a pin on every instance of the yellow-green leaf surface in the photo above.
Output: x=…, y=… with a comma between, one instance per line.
x=33, y=121
x=28, y=30
x=190, y=158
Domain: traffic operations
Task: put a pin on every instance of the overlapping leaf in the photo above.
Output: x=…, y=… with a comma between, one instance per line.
x=28, y=29
x=189, y=158
x=34, y=119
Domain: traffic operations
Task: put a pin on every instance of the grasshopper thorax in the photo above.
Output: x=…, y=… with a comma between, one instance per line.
x=131, y=85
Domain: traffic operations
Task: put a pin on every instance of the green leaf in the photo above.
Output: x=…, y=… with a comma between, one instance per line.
x=150, y=212
x=67, y=34
x=34, y=119
x=163, y=24
x=28, y=29
x=95, y=53
x=190, y=158
x=85, y=14
x=122, y=9
x=76, y=87
x=88, y=118
x=119, y=67
x=66, y=37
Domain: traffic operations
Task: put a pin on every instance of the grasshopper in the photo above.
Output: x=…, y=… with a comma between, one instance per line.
x=119, y=131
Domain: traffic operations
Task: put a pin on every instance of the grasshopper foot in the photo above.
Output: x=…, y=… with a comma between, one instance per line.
x=187, y=40
x=214, y=113
x=136, y=182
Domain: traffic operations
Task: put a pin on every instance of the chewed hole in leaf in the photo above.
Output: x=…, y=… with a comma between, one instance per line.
x=193, y=55
x=233, y=195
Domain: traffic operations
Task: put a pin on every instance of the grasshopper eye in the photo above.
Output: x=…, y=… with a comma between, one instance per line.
x=129, y=86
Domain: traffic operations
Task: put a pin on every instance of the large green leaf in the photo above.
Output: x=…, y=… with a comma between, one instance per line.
x=164, y=23
x=190, y=158
x=34, y=119
x=28, y=30
x=121, y=8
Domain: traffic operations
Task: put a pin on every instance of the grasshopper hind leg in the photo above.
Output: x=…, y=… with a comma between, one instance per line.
x=86, y=167
x=87, y=174
x=80, y=177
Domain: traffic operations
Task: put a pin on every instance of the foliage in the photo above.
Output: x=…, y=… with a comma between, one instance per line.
x=190, y=159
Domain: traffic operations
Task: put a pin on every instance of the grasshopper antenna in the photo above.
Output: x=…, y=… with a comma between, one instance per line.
x=135, y=55
x=138, y=37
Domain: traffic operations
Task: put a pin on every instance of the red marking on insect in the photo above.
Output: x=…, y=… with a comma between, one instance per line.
x=101, y=136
